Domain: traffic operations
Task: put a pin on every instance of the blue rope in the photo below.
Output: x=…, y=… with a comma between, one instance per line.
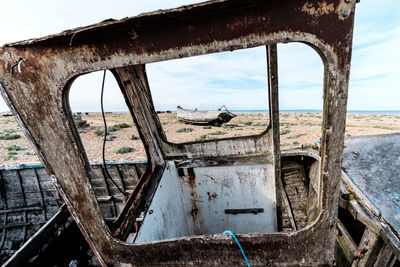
x=237, y=242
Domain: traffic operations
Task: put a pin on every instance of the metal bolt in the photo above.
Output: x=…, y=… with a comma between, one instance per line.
x=342, y=96
x=8, y=55
x=5, y=83
x=345, y=12
x=91, y=235
x=310, y=5
x=332, y=221
x=150, y=211
x=74, y=203
x=336, y=160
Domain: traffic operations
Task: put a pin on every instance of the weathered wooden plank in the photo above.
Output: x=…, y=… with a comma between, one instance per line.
x=42, y=202
x=29, y=249
x=385, y=257
x=370, y=244
x=20, y=209
x=272, y=72
x=347, y=243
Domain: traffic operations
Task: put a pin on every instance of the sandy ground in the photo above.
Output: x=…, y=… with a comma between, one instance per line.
x=296, y=129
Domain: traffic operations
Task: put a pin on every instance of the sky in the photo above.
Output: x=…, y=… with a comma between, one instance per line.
x=236, y=79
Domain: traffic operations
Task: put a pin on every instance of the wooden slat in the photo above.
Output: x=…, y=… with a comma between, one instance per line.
x=30, y=248
x=4, y=232
x=24, y=201
x=13, y=225
x=20, y=210
x=41, y=194
x=346, y=242
x=385, y=257
x=372, y=243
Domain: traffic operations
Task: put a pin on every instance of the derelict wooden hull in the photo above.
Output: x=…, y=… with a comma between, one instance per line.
x=204, y=117
x=295, y=163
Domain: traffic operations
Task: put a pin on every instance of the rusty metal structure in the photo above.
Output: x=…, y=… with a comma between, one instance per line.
x=36, y=76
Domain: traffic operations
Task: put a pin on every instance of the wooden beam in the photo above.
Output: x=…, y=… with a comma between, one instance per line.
x=385, y=258
x=371, y=243
x=346, y=242
x=272, y=67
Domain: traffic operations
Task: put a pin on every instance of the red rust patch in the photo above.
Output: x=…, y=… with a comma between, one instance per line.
x=212, y=196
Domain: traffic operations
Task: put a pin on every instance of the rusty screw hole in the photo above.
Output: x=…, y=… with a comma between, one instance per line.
x=194, y=212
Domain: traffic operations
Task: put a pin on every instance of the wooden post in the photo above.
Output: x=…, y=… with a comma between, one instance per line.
x=272, y=62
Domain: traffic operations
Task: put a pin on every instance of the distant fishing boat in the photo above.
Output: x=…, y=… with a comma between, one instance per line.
x=212, y=117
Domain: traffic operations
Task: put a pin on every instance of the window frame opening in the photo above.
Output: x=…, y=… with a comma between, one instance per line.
x=233, y=127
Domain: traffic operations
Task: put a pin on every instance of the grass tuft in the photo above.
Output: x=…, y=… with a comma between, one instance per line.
x=218, y=133
x=9, y=157
x=13, y=148
x=110, y=137
x=124, y=150
x=99, y=132
x=295, y=136
x=9, y=136
x=122, y=125
x=184, y=130
x=134, y=137
x=201, y=138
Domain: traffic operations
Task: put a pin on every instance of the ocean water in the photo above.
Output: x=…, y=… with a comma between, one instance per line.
x=246, y=111
x=377, y=112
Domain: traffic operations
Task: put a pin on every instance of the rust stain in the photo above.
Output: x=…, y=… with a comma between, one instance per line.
x=212, y=179
x=194, y=198
x=191, y=178
x=322, y=8
x=212, y=196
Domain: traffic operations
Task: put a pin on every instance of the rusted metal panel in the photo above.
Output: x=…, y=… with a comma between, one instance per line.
x=203, y=195
x=38, y=97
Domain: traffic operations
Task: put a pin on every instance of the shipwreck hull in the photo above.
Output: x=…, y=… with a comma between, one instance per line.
x=300, y=232
x=30, y=199
x=202, y=117
x=209, y=198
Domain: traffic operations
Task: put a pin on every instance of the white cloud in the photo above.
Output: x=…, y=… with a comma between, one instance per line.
x=235, y=79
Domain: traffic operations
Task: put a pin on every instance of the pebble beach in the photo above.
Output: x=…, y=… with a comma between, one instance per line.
x=296, y=129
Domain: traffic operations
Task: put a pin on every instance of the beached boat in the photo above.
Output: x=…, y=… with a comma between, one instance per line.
x=280, y=207
x=204, y=117
x=37, y=228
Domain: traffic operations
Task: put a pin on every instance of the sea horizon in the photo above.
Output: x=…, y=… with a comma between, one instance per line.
x=248, y=111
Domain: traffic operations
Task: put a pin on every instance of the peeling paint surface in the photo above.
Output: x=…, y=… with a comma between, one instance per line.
x=373, y=164
x=198, y=202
